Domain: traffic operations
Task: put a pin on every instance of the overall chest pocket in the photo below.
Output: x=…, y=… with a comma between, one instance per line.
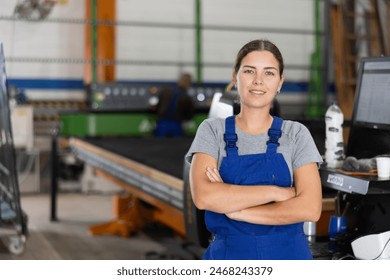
x=257, y=169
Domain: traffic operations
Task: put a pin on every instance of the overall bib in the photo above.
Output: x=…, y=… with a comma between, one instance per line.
x=241, y=240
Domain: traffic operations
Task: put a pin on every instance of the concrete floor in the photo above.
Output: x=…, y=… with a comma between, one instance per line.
x=69, y=239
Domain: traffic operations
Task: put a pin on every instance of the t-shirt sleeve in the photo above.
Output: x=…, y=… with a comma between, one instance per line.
x=305, y=151
x=205, y=141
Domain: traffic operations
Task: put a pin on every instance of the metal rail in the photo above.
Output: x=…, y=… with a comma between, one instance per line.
x=167, y=25
x=159, y=190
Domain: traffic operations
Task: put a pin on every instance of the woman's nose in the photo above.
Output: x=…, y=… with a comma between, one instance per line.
x=258, y=80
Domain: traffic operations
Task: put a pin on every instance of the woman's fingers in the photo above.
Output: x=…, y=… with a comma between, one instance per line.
x=213, y=175
x=217, y=175
x=210, y=176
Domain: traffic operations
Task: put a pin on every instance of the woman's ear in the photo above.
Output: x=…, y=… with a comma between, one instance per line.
x=234, y=78
x=281, y=82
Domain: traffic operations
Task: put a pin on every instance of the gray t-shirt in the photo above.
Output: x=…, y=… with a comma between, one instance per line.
x=296, y=143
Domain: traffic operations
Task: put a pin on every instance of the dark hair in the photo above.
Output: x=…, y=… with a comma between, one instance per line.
x=259, y=45
x=184, y=80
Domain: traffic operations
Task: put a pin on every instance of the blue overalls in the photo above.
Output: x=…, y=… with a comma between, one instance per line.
x=241, y=240
x=168, y=125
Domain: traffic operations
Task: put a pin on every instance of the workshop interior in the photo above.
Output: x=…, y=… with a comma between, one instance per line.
x=79, y=87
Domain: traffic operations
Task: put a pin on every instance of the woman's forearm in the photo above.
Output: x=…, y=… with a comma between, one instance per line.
x=225, y=198
x=294, y=210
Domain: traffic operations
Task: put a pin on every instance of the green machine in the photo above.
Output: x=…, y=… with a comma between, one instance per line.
x=116, y=124
x=106, y=124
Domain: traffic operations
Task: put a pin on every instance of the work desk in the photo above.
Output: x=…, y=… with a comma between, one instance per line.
x=349, y=183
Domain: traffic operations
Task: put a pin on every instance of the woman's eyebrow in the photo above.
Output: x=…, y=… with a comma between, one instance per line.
x=249, y=66
x=268, y=67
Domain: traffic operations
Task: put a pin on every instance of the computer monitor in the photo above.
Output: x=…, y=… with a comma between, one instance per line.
x=370, y=129
x=372, y=99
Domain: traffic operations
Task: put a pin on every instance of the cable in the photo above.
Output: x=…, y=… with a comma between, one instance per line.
x=347, y=257
x=384, y=247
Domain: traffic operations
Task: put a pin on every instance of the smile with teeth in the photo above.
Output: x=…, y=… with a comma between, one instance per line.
x=257, y=92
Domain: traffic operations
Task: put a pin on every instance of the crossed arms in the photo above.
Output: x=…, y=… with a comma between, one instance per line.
x=303, y=202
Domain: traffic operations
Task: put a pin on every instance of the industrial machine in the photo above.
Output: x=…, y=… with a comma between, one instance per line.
x=132, y=97
x=127, y=109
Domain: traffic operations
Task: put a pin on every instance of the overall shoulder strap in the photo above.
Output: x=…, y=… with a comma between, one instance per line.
x=230, y=136
x=274, y=134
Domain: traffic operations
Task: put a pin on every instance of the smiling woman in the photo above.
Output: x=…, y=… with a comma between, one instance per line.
x=256, y=175
x=258, y=79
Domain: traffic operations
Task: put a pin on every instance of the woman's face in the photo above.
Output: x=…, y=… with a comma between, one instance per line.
x=258, y=79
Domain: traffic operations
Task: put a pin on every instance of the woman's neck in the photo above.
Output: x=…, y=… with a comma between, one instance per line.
x=254, y=122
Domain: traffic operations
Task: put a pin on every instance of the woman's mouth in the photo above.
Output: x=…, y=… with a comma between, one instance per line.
x=257, y=92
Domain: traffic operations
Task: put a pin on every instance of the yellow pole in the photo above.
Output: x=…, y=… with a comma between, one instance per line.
x=105, y=41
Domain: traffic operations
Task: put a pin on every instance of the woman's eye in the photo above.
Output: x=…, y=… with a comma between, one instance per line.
x=269, y=73
x=248, y=71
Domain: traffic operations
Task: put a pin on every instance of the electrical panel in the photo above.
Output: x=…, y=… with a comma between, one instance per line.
x=141, y=97
x=122, y=97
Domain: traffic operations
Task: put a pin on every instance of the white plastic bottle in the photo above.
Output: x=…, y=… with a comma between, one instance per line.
x=334, y=144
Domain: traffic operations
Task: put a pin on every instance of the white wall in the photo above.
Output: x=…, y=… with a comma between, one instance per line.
x=155, y=44
x=223, y=46
x=60, y=40
x=43, y=39
x=219, y=46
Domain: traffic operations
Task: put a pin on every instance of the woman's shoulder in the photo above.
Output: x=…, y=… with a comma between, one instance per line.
x=215, y=123
x=293, y=128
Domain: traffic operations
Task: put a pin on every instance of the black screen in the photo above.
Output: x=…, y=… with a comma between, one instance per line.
x=370, y=130
x=372, y=98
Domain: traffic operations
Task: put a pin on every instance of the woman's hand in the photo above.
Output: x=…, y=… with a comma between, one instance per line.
x=234, y=215
x=213, y=175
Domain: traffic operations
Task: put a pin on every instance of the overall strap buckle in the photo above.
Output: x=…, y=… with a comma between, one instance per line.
x=230, y=140
x=274, y=135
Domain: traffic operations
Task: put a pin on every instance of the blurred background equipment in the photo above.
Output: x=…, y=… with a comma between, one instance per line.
x=363, y=196
x=27, y=155
x=334, y=143
x=34, y=9
x=13, y=222
x=121, y=97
